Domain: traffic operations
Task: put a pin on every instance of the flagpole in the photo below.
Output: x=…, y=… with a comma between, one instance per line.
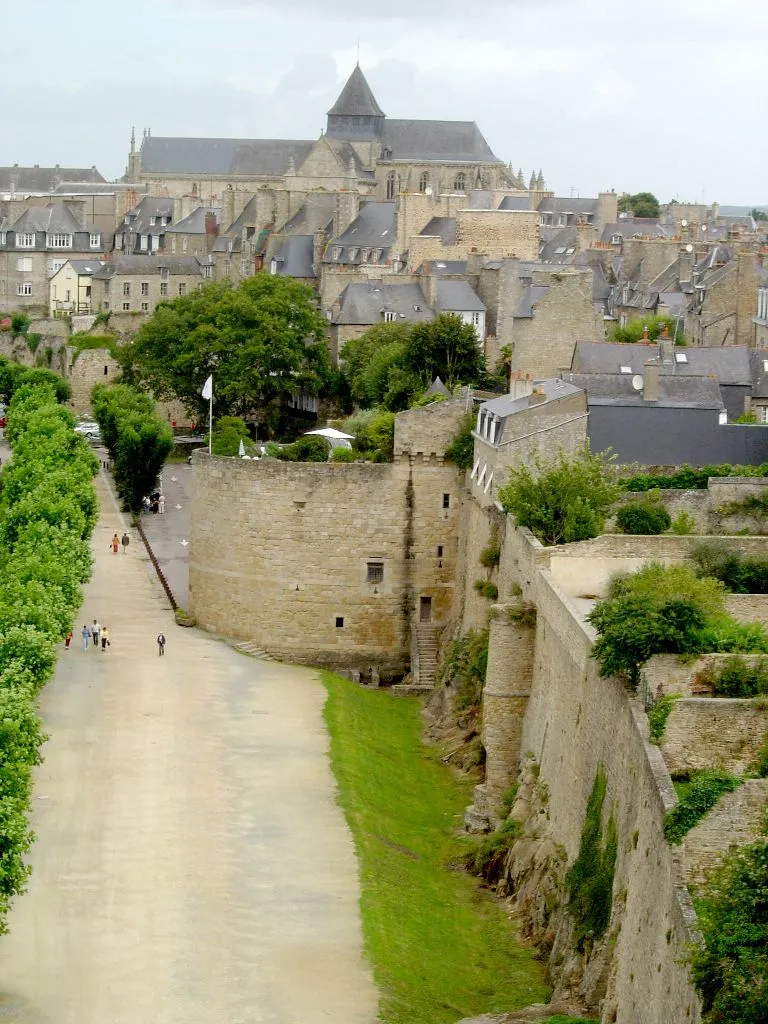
x=210, y=420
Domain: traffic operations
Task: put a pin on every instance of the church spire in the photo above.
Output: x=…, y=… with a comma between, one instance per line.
x=355, y=116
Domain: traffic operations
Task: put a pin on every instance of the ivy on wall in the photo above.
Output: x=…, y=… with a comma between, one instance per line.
x=590, y=878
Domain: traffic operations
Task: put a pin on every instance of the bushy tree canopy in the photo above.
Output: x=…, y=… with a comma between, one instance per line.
x=632, y=331
x=261, y=340
x=562, y=498
x=641, y=204
x=391, y=364
x=228, y=432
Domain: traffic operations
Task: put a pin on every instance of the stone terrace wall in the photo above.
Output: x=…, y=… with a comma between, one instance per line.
x=670, y=674
x=703, y=732
x=575, y=722
x=736, y=819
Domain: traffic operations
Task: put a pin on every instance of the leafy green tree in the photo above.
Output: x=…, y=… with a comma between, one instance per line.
x=367, y=359
x=261, y=340
x=757, y=214
x=137, y=440
x=562, y=498
x=447, y=348
x=731, y=969
x=462, y=448
x=641, y=204
x=374, y=434
x=228, y=432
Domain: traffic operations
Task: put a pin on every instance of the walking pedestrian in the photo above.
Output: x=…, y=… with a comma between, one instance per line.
x=161, y=504
x=104, y=639
x=86, y=635
x=95, y=630
x=161, y=644
x=67, y=640
x=115, y=544
x=125, y=542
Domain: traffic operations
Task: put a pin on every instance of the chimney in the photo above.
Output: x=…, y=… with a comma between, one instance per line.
x=210, y=224
x=651, y=380
x=319, y=242
x=585, y=235
x=519, y=386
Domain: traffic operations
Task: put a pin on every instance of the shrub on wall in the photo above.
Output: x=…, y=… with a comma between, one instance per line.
x=462, y=448
x=645, y=516
x=688, y=478
x=47, y=510
x=563, y=498
x=467, y=663
x=736, y=677
x=739, y=575
x=730, y=970
x=658, y=715
x=306, y=449
x=590, y=878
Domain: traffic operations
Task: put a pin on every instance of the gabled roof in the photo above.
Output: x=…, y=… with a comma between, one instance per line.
x=194, y=224
x=138, y=219
x=554, y=388
x=86, y=268
x=294, y=257
x=45, y=179
x=729, y=364
x=356, y=98
x=674, y=392
x=636, y=227
x=373, y=228
x=443, y=228
x=531, y=296
x=443, y=141
x=53, y=217
x=146, y=265
x=364, y=303
x=457, y=297
x=265, y=157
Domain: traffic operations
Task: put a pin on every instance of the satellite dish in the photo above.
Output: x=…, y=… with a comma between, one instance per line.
x=704, y=228
x=637, y=382
x=683, y=223
x=689, y=248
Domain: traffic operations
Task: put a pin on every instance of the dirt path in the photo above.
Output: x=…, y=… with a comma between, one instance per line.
x=191, y=866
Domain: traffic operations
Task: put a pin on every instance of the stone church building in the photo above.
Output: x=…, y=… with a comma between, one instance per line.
x=361, y=150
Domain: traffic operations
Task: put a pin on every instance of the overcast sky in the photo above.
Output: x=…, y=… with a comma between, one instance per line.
x=666, y=96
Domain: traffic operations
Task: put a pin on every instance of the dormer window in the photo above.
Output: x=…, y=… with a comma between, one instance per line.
x=616, y=239
x=95, y=240
x=336, y=252
x=365, y=255
x=353, y=254
x=377, y=254
x=25, y=240
x=58, y=240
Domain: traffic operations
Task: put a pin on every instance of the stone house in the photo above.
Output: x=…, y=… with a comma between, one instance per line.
x=35, y=245
x=721, y=310
x=536, y=313
x=363, y=304
x=143, y=228
x=71, y=287
x=135, y=284
x=195, y=235
x=541, y=415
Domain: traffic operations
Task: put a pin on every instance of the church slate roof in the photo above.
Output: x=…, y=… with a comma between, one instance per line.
x=266, y=157
x=46, y=179
x=444, y=141
x=356, y=98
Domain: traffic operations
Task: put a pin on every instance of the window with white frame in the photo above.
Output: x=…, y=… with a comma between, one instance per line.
x=126, y=288
x=58, y=240
x=476, y=319
x=24, y=264
x=762, y=413
x=182, y=289
x=25, y=240
x=126, y=306
x=163, y=287
x=143, y=241
x=118, y=241
x=145, y=287
x=184, y=244
x=95, y=240
x=337, y=252
x=423, y=181
x=173, y=243
x=389, y=315
x=154, y=242
x=2, y=237
x=353, y=254
x=144, y=307
x=208, y=271
x=24, y=288
x=365, y=255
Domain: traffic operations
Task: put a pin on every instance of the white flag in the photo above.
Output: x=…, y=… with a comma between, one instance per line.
x=208, y=389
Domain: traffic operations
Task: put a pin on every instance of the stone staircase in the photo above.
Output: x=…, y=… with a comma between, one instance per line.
x=252, y=649
x=426, y=644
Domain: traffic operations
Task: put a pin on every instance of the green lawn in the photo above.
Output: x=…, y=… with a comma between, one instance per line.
x=440, y=947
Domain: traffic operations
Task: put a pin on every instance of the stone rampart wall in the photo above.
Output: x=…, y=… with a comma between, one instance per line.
x=736, y=819
x=706, y=732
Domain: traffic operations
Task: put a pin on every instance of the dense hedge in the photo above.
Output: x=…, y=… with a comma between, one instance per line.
x=643, y=516
x=739, y=574
x=688, y=478
x=47, y=511
x=137, y=440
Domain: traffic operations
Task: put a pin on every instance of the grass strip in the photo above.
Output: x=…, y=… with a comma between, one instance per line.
x=440, y=947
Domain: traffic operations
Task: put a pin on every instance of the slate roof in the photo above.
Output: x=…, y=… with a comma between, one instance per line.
x=531, y=296
x=636, y=227
x=554, y=388
x=265, y=157
x=194, y=224
x=364, y=303
x=45, y=179
x=441, y=268
x=316, y=213
x=443, y=227
x=373, y=228
x=759, y=366
x=674, y=391
x=443, y=141
x=560, y=247
x=356, y=98
x=577, y=207
x=294, y=257
x=729, y=364
x=146, y=265
x=86, y=267
x=53, y=217
x=457, y=297
x=138, y=219
x=515, y=203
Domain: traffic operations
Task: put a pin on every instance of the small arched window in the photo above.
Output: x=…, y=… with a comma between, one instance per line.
x=423, y=181
x=460, y=182
x=391, y=185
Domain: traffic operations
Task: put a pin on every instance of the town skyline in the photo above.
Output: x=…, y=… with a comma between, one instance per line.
x=650, y=121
